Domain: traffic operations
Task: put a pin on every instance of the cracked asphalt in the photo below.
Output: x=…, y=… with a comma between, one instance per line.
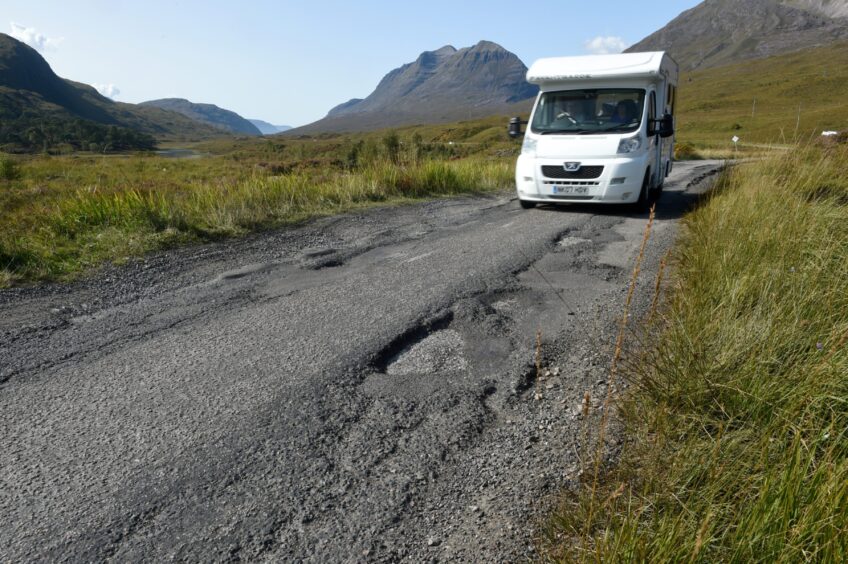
x=358, y=389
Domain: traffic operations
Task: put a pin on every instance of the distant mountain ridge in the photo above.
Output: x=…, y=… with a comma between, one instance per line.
x=210, y=114
x=32, y=97
x=719, y=32
x=439, y=86
x=268, y=128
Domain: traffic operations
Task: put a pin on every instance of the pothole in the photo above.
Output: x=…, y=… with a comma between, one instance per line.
x=244, y=271
x=441, y=351
x=505, y=306
x=566, y=242
x=319, y=258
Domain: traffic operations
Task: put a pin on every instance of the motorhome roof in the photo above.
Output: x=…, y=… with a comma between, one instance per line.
x=626, y=65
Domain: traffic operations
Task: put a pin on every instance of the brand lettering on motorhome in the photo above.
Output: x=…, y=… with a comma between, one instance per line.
x=570, y=76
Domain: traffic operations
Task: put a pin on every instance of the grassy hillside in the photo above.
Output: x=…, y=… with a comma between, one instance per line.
x=736, y=418
x=28, y=124
x=484, y=135
x=716, y=104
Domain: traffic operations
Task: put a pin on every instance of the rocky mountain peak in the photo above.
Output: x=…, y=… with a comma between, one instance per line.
x=445, y=51
x=829, y=8
x=718, y=32
x=487, y=46
x=439, y=85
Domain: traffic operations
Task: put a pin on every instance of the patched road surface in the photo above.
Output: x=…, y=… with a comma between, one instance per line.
x=358, y=389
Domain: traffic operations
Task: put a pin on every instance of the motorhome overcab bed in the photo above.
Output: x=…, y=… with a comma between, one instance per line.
x=601, y=130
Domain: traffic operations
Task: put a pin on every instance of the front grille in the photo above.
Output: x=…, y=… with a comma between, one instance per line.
x=572, y=182
x=583, y=172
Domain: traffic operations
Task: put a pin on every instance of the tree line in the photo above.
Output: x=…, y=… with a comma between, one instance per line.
x=26, y=134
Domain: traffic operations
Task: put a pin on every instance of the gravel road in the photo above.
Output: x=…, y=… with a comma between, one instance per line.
x=357, y=389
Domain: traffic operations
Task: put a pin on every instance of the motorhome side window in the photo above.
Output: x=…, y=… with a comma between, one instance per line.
x=589, y=111
x=672, y=98
x=652, y=108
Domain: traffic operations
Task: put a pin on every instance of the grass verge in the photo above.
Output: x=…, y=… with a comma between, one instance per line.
x=62, y=215
x=736, y=420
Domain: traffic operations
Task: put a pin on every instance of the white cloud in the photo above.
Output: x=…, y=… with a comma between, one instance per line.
x=108, y=90
x=31, y=37
x=605, y=45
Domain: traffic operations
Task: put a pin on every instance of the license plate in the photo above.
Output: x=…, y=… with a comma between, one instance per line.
x=571, y=189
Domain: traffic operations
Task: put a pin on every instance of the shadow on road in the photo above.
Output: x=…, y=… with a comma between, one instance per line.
x=672, y=204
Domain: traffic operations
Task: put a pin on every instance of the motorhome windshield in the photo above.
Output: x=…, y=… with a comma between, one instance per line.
x=589, y=111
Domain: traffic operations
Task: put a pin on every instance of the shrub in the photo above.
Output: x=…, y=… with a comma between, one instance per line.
x=685, y=152
x=9, y=169
x=392, y=144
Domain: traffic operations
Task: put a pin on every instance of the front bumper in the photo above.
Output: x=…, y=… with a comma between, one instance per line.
x=619, y=183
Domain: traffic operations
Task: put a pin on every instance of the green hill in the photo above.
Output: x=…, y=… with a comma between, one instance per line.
x=769, y=100
x=40, y=110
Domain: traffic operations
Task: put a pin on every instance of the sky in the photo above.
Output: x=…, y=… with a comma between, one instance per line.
x=288, y=62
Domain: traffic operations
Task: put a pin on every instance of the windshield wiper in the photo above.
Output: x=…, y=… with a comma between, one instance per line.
x=620, y=127
x=566, y=131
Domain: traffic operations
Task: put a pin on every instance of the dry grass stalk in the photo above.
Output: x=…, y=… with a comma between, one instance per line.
x=611, y=385
x=658, y=287
x=538, y=361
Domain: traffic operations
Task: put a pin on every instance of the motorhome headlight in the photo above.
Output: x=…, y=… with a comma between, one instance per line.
x=529, y=146
x=629, y=145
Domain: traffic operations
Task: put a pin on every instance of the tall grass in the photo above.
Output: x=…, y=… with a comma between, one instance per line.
x=737, y=416
x=71, y=218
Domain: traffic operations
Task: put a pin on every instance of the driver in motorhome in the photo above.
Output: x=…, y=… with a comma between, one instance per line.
x=572, y=111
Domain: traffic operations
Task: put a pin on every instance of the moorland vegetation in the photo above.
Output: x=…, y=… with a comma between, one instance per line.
x=735, y=419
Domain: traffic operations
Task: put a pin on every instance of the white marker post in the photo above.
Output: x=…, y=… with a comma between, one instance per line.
x=735, y=140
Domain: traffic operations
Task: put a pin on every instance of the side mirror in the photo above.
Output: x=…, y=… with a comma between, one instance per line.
x=666, y=126
x=514, y=129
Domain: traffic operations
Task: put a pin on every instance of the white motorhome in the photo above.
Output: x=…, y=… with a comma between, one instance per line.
x=601, y=130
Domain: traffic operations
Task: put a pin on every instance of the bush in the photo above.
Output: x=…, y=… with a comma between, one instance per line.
x=9, y=169
x=685, y=152
x=392, y=144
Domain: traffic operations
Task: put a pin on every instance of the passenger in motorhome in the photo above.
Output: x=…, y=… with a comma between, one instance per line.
x=625, y=112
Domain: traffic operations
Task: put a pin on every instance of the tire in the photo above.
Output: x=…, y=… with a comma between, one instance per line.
x=657, y=192
x=527, y=205
x=643, y=203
